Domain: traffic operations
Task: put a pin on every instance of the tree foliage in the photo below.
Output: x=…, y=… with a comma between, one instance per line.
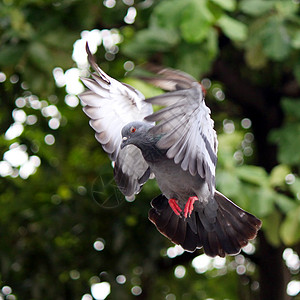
x=63, y=221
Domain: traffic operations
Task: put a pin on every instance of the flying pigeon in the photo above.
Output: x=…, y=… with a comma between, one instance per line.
x=177, y=144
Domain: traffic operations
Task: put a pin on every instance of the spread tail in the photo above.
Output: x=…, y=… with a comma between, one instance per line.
x=220, y=227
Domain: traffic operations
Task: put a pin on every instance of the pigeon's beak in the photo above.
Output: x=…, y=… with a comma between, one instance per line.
x=124, y=142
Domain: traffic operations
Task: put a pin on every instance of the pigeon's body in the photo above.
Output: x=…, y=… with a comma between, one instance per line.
x=180, y=149
x=172, y=180
x=175, y=183
x=178, y=184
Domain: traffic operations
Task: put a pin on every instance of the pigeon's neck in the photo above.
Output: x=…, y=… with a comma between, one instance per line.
x=149, y=150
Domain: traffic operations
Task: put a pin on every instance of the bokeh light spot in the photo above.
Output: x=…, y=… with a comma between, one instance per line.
x=100, y=290
x=20, y=102
x=206, y=83
x=249, y=249
x=136, y=290
x=54, y=123
x=121, y=279
x=6, y=290
x=49, y=139
x=170, y=297
x=31, y=119
x=17, y=155
x=246, y=123
x=87, y=297
x=290, y=179
x=99, y=245
x=71, y=100
x=2, y=77
x=293, y=288
x=14, y=131
x=74, y=274
x=130, y=16
x=175, y=251
x=109, y=3
x=179, y=271
x=228, y=126
x=128, y=65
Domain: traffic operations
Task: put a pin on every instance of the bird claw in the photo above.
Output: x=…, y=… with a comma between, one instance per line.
x=174, y=206
x=189, y=206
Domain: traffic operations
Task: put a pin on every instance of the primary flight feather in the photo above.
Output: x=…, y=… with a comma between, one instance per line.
x=177, y=144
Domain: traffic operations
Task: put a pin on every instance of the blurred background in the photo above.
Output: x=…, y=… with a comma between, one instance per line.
x=65, y=230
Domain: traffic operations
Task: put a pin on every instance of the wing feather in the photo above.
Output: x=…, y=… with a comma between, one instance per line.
x=185, y=124
x=111, y=105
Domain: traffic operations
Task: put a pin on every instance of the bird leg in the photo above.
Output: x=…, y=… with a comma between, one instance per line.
x=189, y=206
x=175, y=207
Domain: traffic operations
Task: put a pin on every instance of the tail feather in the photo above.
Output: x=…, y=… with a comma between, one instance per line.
x=181, y=231
x=231, y=239
x=243, y=222
x=226, y=245
x=162, y=213
x=215, y=247
x=171, y=230
x=190, y=240
x=235, y=229
x=222, y=229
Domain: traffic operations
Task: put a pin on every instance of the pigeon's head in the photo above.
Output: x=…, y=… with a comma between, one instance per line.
x=134, y=133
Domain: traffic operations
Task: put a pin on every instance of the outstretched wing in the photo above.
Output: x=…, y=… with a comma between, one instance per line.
x=111, y=105
x=185, y=124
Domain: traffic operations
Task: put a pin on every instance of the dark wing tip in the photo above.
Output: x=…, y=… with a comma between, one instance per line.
x=87, y=49
x=93, y=63
x=91, y=59
x=167, y=79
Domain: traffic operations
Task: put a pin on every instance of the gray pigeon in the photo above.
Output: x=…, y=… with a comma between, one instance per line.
x=179, y=146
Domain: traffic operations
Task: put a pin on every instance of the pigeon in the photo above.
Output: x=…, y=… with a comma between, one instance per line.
x=178, y=146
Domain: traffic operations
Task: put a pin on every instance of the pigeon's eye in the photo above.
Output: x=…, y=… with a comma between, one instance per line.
x=132, y=129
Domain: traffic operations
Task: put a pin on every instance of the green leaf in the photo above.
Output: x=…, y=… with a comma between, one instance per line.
x=228, y=143
x=286, y=8
x=229, y=184
x=278, y=174
x=297, y=72
x=275, y=39
x=285, y=203
x=194, y=30
x=11, y=55
x=286, y=136
x=255, y=57
x=196, y=21
x=19, y=23
x=188, y=59
x=252, y=174
x=291, y=107
x=295, y=188
x=296, y=40
x=168, y=14
x=261, y=201
x=229, y=5
x=41, y=56
x=256, y=7
x=151, y=40
x=212, y=43
x=235, y=30
x=271, y=224
x=290, y=228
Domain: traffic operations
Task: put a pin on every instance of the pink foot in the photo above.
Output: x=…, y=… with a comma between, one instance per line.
x=189, y=206
x=175, y=207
